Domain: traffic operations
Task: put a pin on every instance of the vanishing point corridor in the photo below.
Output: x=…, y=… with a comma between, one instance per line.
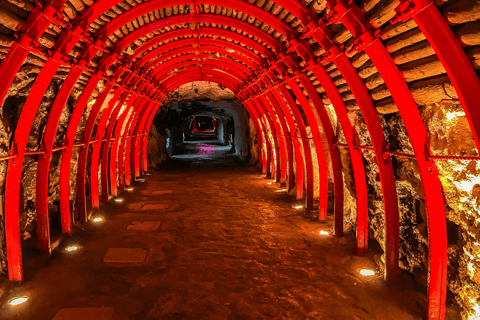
x=209, y=241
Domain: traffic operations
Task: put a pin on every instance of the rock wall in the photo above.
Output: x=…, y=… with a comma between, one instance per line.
x=156, y=147
x=449, y=134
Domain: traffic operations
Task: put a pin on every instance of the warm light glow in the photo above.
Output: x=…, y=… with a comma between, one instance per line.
x=454, y=115
x=71, y=248
x=17, y=301
x=476, y=308
x=323, y=233
x=298, y=207
x=119, y=200
x=97, y=219
x=367, y=272
x=129, y=189
x=269, y=182
x=281, y=190
x=148, y=174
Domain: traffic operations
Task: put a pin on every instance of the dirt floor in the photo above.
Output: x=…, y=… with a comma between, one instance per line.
x=227, y=247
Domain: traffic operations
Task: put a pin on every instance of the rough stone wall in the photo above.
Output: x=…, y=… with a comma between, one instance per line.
x=253, y=146
x=449, y=135
x=156, y=147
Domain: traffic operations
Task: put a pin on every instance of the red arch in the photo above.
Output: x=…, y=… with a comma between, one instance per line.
x=131, y=37
x=222, y=67
x=208, y=44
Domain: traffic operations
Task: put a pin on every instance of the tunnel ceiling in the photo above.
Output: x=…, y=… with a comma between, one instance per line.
x=96, y=72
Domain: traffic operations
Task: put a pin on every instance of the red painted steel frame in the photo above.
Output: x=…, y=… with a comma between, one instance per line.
x=133, y=101
x=203, y=45
x=352, y=18
x=125, y=176
x=282, y=131
x=130, y=157
x=264, y=147
x=14, y=172
x=325, y=38
x=289, y=128
x=82, y=159
x=355, y=155
x=37, y=22
x=334, y=154
x=202, y=31
x=109, y=113
x=43, y=168
x=67, y=154
x=295, y=134
x=138, y=131
x=274, y=147
x=321, y=156
x=191, y=65
x=304, y=145
x=124, y=156
x=448, y=49
x=92, y=13
x=426, y=16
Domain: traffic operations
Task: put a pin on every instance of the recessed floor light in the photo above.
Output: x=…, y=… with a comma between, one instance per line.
x=17, y=301
x=367, y=272
x=119, y=200
x=97, y=219
x=323, y=233
x=71, y=248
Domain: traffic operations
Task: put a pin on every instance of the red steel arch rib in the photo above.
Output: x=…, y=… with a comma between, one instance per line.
x=109, y=115
x=112, y=165
x=350, y=15
x=210, y=31
x=202, y=45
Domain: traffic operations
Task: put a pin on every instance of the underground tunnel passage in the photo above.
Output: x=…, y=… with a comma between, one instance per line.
x=239, y=159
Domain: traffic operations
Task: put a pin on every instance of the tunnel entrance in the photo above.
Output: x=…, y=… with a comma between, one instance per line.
x=205, y=131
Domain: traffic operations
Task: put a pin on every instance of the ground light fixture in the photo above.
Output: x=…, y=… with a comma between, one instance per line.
x=298, y=207
x=17, y=301
x=367, y=272
x=97, y=219
x=323, y=233
x=119, y=200
x=71, y=248
x=269, y=182
x=281, y=190
x=129, y=189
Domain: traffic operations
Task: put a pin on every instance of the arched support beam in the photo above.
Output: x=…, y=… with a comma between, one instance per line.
x=220, y=66
x=202, y=45
x=203, y=31
x=350, y=15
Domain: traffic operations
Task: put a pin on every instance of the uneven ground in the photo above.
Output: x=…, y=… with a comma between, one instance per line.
x=228, y=247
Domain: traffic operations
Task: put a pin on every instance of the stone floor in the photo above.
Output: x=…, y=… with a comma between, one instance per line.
x=219, y=243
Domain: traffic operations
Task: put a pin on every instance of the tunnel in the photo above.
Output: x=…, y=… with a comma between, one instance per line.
x=239, y=159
